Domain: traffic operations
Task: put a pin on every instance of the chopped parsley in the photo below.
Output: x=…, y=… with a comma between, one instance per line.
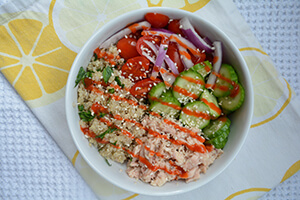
x=115, y=143
x=96, y=56
x=80, y=107
x=82, y=74
x=107, y=72
x=107, y=162
x=101, y=115
x=111, y=90
x=109, y=130
x=117, y=79
x=86, y=116
x=166, y=48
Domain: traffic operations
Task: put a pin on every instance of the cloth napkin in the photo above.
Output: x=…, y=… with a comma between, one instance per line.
x=40, y=39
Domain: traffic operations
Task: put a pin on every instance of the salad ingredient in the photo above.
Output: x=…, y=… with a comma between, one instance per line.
x=136, y=68
x=217, y=61
x=156, y=91
x=142, y=87
x=217, y=127
x=173, y=54
x=226, y=81
x=195, y=114
x=167, y=106
x=174, y=26
x=231, y=103
x=127, y=48
x=211, y=101
x=188, y=86
x=157, y=20
x=193, y=36
x=203, y=68
x=126, y=31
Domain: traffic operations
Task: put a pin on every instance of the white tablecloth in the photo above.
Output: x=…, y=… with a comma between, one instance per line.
x=33, y=167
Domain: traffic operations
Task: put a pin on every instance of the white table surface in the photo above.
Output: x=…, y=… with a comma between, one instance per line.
x=33, y=166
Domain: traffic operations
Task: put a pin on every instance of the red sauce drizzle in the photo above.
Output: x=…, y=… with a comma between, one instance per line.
x=202, y=115
x=212, y=106
x=184, y=92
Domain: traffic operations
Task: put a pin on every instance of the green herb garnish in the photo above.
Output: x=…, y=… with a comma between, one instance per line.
x=80, y=107
x=109, y=130
x=117, y=79
x=107, y=73
x=115, y=143
x=96, y=57
x=89, y=74
x=101, y=115
x=107, y=162
x=165, y=48
x=86, y=116
x=111, y=90
x=80, y=76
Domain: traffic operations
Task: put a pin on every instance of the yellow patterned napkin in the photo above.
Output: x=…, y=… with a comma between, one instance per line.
x=40, y=39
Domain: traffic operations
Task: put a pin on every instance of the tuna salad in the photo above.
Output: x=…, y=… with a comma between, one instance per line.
x=156, y=96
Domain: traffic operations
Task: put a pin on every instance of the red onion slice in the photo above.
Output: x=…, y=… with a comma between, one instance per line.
x=216, y=65
x=193, y=36
x=167, y=77
x=171, y=65
x=119, y=35
x=159, y=59
x=157, y=33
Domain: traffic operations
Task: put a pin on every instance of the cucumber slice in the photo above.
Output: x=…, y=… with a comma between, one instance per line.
x=195, y=114
x=210, y=100
x=203, y=68
x=167, y=93
x=231, y=104
x=166, y=106
x=156, y=91
x=188, y=86
x=217, y=127
x=223, y=87
x=220, y=141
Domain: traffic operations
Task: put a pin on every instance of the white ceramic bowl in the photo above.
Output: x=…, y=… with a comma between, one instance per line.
x=241, y=119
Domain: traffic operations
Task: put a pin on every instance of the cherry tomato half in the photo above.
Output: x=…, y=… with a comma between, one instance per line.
x=141, y=88
x=157, y=20
x=174, y=55
x=127, y=48
x=136, y=68
x=141, y=46
x=198, y=58
x=174, y=27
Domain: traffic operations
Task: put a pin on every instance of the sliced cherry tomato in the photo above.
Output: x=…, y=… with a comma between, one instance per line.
x=174, y=27
x=157, y=20
x=136, y=68
x=174, y=55
x=198, y=58
x=127, y=48
x=141, y=46
x=141, y=88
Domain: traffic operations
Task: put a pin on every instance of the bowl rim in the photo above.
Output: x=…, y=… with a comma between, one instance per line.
x=114, y=22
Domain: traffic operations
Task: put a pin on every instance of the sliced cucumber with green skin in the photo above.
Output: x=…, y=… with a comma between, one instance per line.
x=191, y=82
x=167, y=93
x=217, y=127
x=220, y=141
x=212, y=102
x=166, y=106
x=231, y=104
x=195, y=114
x=202, y=68
x=223, y=87
x=156, y=91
